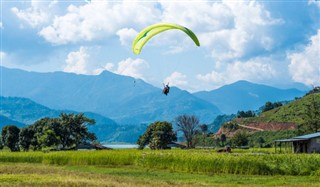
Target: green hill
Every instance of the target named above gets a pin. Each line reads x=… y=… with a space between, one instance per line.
x=290 y=113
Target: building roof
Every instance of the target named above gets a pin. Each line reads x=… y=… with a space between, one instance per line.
x=300 y=138
x=308 y=136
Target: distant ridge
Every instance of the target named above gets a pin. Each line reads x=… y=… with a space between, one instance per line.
x=244 y=95
x=124 y=99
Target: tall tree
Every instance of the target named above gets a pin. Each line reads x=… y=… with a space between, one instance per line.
x=188 y=125
x=10 y=137
x=261 y=141
x=240 y=138
x=158 y=135
x=311 y=115
x=25 y=137
x=223 y=139
x=74 y=129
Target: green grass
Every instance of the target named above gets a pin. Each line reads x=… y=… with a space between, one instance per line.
x=204 y=161
x=291 y=112
x=28 y=174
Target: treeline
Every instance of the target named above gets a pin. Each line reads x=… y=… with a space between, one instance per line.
x=62 y=133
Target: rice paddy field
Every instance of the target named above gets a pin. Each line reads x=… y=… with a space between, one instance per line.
x=130 y=167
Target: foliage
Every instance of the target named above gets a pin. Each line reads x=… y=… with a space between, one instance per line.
x=10 y=137
x=220 y=119
x=314 y=90
x=67 y=131
x=261 y=141
x=196 y=161
x=204 y=128
x=269 y=106
x=245 y=114
x=270 y=136
x=25 y=137
x=26 y=174
x=311 y=116
x=231 y=126
x=73 y=129
x=293 y=112
x=188 y=125
x=158 y=135
x=223 y=139
x=241 y=138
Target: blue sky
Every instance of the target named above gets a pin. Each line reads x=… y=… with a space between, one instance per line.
x=269 y=42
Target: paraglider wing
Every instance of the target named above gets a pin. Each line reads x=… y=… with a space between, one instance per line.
x=155 y=29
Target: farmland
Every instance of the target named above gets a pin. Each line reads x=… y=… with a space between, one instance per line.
x=161 y=168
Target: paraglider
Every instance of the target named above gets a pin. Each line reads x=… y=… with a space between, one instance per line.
x=166 y=89
x=146 y=34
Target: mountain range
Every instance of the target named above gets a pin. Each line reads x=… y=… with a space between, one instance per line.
x=121 y=106
x=121 y=98
x=244 y=95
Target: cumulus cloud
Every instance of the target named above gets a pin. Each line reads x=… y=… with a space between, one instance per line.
x=35 y=15
x=177 y=79
x=305 y=65
x=130 y=67
x=98 y=19
x=76 y=62
x=1 y=25
x=2 y=55
x=316 y=2
x=126 y=36
x=249 y=34
x=253 y=70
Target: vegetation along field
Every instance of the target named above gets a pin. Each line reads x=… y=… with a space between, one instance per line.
x=158 y=168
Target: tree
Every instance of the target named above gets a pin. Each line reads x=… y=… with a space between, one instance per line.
x=223 y=139
x=240 y=138
x=67 y=131
x=188 y=125
x=311 y=115
x=25 y=137
x=10 y=137
x=269 y=106
x=247 y=114
x=261 y=141
x=158 y=135
x=73 y=129
x=204 y=128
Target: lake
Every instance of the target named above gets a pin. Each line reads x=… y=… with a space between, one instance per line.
x=121 y=146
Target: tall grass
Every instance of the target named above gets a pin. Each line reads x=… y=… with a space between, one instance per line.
x=197 y=161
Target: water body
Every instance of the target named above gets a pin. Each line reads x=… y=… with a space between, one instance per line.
x=122 y=146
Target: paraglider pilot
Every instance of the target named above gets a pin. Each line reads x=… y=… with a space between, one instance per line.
x=166 y=89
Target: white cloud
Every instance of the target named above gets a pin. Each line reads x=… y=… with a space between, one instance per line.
x=35 y=15
x=1 y=25
x=98 y=20
x=177 y=79
x=305 y=65
x=126 y=36
x=248 y=33
x=131 y=67
x=254 y=70
x=76 y=62
x=316 y=2
x=2 y=55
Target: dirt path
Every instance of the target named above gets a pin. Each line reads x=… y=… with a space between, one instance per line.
x=249 y=127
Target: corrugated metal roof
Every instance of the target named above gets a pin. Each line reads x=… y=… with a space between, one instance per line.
x=308 y=136
x=288 y=140
x=300 y=138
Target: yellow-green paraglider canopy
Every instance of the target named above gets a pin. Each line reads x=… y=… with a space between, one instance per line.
x=155 y=29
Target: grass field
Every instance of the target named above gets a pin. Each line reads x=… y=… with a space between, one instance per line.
x=158 y=168
x=26 y=174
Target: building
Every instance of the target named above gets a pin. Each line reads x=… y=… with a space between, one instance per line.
x=309 y=143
